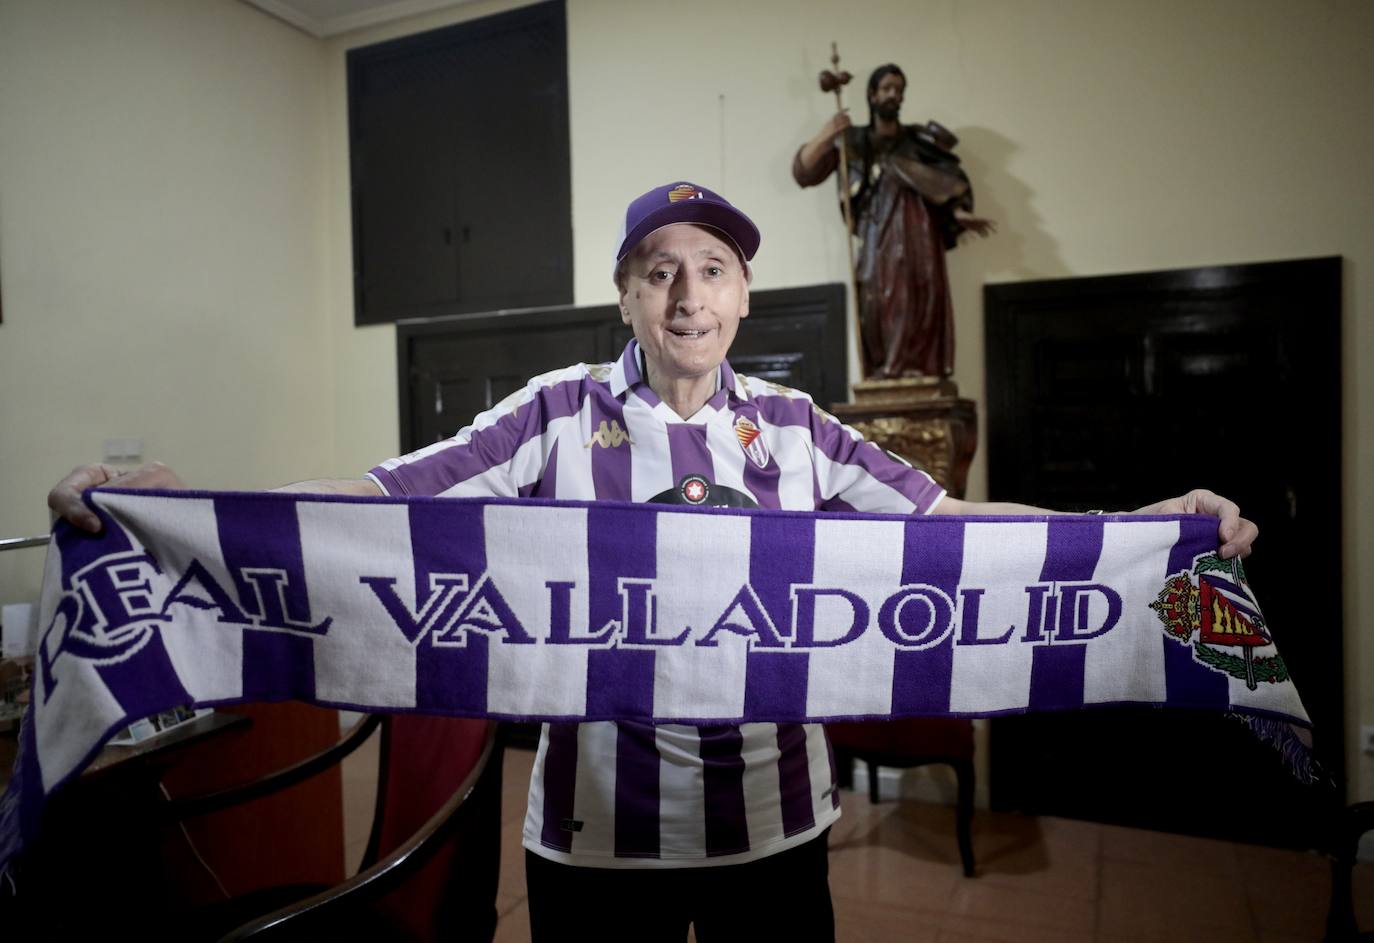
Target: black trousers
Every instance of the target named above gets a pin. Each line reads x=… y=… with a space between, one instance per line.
x=782 y=897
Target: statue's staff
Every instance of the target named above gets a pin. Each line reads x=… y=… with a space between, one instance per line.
x=833 y=80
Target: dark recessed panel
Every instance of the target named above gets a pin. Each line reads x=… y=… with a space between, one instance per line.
x=459 y=161
x=1117 y=391
x=453 y=368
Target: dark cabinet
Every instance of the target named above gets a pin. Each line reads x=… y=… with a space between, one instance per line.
x=458 y=143
x=1116 y=391
x=450 y=369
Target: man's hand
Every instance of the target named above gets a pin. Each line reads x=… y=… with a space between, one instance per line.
x=65 y=497
x=1235 y=532
x=814 y=151
x=835 y=127
x=977 y=225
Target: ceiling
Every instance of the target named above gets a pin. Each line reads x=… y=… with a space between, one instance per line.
x=321 y=18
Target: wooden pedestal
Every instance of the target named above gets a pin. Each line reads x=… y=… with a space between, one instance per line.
x=921 y=419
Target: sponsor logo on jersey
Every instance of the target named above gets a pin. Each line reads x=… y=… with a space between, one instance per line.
x=695 y=489
x=608 y=435
x=700 y=491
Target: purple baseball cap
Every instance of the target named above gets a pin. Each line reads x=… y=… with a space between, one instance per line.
x=685 y=203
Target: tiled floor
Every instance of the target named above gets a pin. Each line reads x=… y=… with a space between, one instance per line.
x=895 y=875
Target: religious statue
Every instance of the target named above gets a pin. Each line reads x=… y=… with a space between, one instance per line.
x=908 y=200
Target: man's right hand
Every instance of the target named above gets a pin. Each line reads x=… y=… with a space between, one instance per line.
x=65 y=497
x=815 y=152
x=836 y=126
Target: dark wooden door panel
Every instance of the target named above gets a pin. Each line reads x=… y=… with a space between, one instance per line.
x=473 y=370
x=404 y=186
x=459 y=161
x=452 y=368
x=1114 y=392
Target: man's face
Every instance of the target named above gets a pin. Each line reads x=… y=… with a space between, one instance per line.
x=684 y=294
x=886 y=99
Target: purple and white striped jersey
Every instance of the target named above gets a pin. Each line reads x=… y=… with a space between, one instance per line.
x=618 y=794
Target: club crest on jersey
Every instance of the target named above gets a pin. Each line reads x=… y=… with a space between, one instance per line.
x=751 y=440
x=695 y=489
x=1220 y=611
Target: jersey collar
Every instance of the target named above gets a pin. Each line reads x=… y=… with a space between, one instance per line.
x=628 y=374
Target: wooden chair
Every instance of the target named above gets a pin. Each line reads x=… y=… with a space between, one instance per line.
x=909 y=742
x=433 y=856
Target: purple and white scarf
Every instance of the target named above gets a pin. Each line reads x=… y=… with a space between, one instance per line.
x=569 y=611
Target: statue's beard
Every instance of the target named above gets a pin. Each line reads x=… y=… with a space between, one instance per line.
x=887 y=110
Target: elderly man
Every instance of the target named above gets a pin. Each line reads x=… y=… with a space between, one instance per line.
x=636 y=831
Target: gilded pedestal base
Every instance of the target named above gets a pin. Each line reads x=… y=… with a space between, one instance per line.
x=923 y=420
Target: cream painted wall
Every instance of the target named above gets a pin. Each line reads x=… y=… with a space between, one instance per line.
x=174 y=199
x=1104 y=135
x=162 y=248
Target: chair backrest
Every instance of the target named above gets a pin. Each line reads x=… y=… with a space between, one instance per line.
x=924 y=738
x=453 y=895
x=433 y=861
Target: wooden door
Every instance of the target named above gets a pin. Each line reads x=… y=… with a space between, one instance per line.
x=1114 y=392
x=459 y=163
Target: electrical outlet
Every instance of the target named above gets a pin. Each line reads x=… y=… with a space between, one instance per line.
x=1367 y=738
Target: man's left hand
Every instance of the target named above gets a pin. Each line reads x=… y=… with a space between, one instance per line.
x=975 y=224
x=1235 y=532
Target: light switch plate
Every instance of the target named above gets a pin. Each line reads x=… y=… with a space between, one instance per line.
x=123 y=451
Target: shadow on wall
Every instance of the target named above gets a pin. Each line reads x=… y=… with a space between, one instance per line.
x=1021 y=247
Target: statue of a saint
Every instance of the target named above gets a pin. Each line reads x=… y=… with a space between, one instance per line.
x=911 y=202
